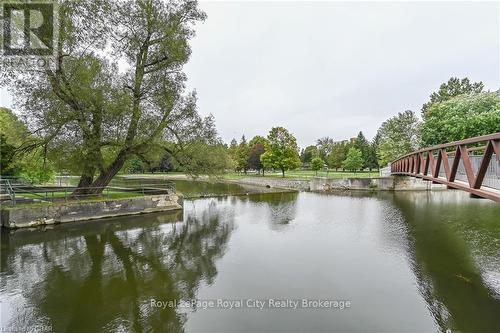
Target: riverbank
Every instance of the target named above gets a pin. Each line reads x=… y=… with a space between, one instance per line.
x=192 y=188
x=391 y=183
x=316 y=184
x=271 y=182
x=62 y=212
x=290 y=175
x=323 y=184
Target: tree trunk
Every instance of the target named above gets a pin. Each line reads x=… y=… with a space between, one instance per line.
x=283 y=173
x=89 y=157
x=103 y=179
x=85 y=181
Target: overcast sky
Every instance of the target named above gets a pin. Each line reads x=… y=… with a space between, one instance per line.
x=333 y=68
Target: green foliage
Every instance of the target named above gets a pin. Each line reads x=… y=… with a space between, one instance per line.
x=317 y=164
x=461 y=117
x=198 y=150
x=242 y=155
x=257 y=148
x=233 y=153
x=454 y=87
x=337 y=155
x=36 y=168
x=7 y=167
x=254 y=156
x=14 y=131
x=258 y=140
x=281 y=151
x=309 y=153
x=92 y=114
x=267 y=160
x=21 y=153
x=354 y=160
x=201 y=158
x=364 y=147
x=398 y=136
x=372 y=160
x=230 y=163
x=325 y=146
x=135 y=165
x=165 y=164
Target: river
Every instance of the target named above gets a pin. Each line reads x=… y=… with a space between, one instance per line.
x=359 y=262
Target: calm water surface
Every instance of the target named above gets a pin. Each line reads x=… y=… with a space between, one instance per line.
x=406 y=262
x=195 y=189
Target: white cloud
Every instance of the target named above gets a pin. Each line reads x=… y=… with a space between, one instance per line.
x=334 y=68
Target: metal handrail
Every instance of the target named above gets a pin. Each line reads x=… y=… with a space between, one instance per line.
x=70 y=195
x=10 y=191
x=425 y=164
x=477 y=139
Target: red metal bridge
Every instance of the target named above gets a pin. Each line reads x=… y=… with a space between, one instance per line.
x=462 y=165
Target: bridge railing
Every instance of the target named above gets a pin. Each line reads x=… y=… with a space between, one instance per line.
x=472 y=165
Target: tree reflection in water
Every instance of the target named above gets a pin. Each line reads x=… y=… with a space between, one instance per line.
x=103 y=276
x=440 y=232
x=282 y=207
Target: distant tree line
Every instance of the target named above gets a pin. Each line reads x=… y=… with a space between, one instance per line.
x=458 y=110
x=277 y=151
x=353 y=154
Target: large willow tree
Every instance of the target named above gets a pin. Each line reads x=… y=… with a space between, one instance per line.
x=118 y=89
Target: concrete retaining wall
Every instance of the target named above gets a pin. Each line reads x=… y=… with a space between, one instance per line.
x=385 y=172
x=70 y=212
x=396 y=183
x=322 y=184
x=276 y=183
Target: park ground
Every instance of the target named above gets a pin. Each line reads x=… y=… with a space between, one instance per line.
x=61 y=196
